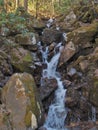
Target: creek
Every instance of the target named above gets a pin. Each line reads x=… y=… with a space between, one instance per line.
x=57 y=110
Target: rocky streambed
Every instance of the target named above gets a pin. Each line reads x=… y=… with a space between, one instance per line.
x=25 y=96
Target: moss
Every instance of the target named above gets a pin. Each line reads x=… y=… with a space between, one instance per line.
x=21 y=60
x=28 y=118
x=31 y=92
x=27 y=58
x=84 y=34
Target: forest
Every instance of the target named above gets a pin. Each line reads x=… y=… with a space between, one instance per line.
x=40 y=7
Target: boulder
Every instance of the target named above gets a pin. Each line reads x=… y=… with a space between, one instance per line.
x=50 y=35
x=47 y=88
x=68 y=51
x=72 y=97
x=22 y=60
x=21 y=99
x=27 y=40
x=82 y=36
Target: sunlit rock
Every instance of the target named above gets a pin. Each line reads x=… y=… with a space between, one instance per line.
x=21 y=98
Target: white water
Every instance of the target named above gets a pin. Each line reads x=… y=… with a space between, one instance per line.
x=57 y=111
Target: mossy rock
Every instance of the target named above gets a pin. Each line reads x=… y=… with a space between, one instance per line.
x=21 y=98
x=24 y=39
x=83 y=35
x=22 y=60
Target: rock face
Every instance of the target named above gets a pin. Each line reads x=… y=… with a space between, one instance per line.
x=22 y=101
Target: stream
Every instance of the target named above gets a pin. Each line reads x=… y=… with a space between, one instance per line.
x=57 y=111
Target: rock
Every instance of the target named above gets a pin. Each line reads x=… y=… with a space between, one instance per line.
x=4 y=31
x=21 y=98
x=22 y=60
x=50 y=35
x=4 y=118
x=52 y=46
x=72 y=72
x=72 y=97
x=28 y=40
x=67 y=83
x=82 y=36
x=96 y=40
x=83 y=65
x=70 y=18
x=47 y=88
x=33 y=122
x=67 y=53
x=94 y=56
x=5 y=68
x=42 y=128
x=94 y=89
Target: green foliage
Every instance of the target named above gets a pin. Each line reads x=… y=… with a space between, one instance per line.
x=1 y=2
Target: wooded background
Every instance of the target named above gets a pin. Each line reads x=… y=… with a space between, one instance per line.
x=39 y=7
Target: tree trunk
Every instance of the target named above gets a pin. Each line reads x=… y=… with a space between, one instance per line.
x=36 y=8
x=26 y=5
x=17 y=4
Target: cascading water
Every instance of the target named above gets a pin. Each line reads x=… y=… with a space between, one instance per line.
x=57 y=111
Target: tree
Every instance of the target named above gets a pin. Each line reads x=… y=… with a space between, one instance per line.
x=17 y=4
x=26 y=5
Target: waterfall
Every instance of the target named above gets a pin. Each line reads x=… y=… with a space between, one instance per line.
x=57 y=111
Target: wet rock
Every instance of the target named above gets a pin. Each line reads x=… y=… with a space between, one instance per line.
x=72 y=72
x=47 y=88
x=21 y=98
x=42 y=128
x=52 y=46
x=49 y=36
x=67 y=83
